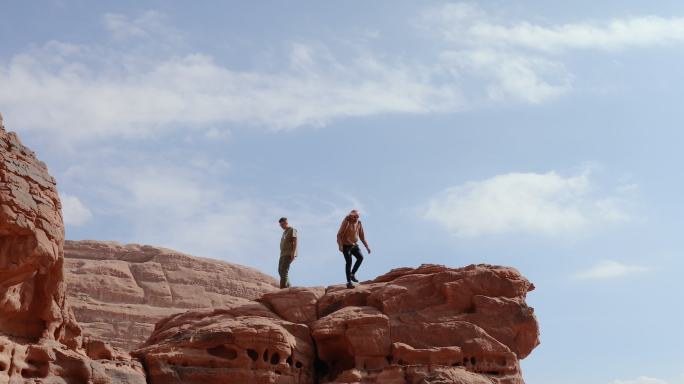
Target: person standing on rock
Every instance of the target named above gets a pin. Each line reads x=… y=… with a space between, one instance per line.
x=351 y=230
x=288 y=251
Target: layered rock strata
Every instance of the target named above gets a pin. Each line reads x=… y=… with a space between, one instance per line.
x=118 y=292
x=430 y=324
x=40 y=341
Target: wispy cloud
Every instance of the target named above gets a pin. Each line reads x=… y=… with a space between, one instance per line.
x=146 y=80
x=148 y=25
x=469 y=24
x=609 y=269
x=522 y=60
x=536 y=203
x=101 y=91
x=511 y=75
x=73 y=210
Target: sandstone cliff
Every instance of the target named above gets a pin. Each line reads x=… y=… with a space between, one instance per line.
x=430 y=324
x=40 y=341
x=118 y=292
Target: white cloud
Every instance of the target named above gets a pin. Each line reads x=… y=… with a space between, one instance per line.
x=91 y=92
x=147 y=25
x=513 y=76
x=534 y=203
x=468 y=24
x=73 y=210
x=610 y=35
x=609 y=269
x=521 y=60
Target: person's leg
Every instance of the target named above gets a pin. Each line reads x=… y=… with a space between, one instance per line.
x=284 y=270
x=356 y=251
x=347 y=261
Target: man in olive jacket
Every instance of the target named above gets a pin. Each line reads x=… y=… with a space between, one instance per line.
x=288 y=251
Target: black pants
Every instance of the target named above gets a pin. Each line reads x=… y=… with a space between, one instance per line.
x=348 y=251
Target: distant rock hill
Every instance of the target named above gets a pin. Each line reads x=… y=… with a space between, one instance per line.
x=118 y=292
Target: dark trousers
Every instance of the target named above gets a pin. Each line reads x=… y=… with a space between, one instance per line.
x=284 y=270
x=348 y=251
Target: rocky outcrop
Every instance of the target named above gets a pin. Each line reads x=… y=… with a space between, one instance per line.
x=430 y=324
x=31 y=236
x=244 y=342
x=299 y=305
x=118 y=292
x=472 y=319
x=40 y=340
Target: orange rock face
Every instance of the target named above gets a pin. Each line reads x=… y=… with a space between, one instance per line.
x=430 y=324
x=118 y=292
x=40 y=340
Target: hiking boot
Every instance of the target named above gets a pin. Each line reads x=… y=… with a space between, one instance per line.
x=353 y=278
x=350 y=285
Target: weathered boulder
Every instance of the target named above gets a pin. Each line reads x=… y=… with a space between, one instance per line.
x=40 y=341
x=298 y=305
x=240 y=343
x=118 y=292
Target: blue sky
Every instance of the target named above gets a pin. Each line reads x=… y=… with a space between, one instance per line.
x=544 y=136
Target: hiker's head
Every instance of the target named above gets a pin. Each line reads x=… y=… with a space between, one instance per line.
x=353 y=215
x=283 y=222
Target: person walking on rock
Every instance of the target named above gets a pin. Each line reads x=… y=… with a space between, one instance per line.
x=351 y=230
x=288 y=251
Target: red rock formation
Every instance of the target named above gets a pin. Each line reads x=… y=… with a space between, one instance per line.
x=298 y=305
x=473 y=318
x=39 y=339
x=430 y=324
x=241 y=343
x=31 y=256
x=118 y=292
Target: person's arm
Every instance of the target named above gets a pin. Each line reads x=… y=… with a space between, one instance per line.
x=339 y=234
x=293 y=242
x=362 y=236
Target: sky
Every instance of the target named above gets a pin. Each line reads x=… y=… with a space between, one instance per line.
x=540 y=135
